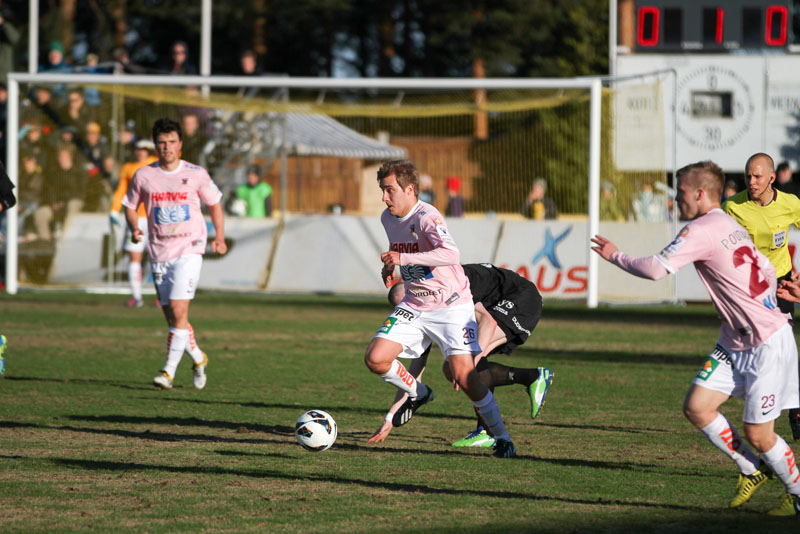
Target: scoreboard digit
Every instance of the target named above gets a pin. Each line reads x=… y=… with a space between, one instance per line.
x=712 y=26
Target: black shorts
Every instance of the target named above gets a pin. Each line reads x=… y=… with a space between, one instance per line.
x=517 y=318
x=786 y=306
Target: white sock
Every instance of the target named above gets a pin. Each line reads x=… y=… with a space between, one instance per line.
x=724 y=436
x=192 y=348
x=490 y=412
x=176 y=344
x=780 y=459
x=399 y=377
x=135 y=279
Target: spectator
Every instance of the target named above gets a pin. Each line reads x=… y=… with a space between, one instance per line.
x=120 y=55
x=127 y=141
x=36 y=144
x=78 y=114
x=44 y=109
x=256 y=194
x=9 y=37
x=193 y=139
x=610 y=209
x=63 y=193
x=729 y=190
x=91 y=94
x=538 y=206
x=99 y=165
x=180 y=60
x=455 y=202
x=55 y=63
x=783 y=179
x=55 y=58
x=649 y=206
x=248 y=64
x=31 y=184
x=426 y=192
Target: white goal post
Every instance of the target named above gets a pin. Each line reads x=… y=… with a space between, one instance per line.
x=592 y=85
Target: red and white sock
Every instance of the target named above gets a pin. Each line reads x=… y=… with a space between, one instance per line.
x=490 y=412
x=399 y=377
x=780 y=459
x=176 y=344
x=724 y=436
x=192 y=348
x=135 y=279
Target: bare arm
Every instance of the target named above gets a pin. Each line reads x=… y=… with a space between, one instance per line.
x=132 y=218
x=648 y=267
x=218 y=219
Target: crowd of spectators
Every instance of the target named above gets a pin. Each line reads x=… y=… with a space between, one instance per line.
x=70 y=151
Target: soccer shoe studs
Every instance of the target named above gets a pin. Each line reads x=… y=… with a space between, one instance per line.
x=134 y=303
x=794 y=422
x=748 y=484
x=199 y=373
x=404 y=414
x=789 y=506
x=538 y=390
x=503 y=448
x=477 y=438
x=163 y=381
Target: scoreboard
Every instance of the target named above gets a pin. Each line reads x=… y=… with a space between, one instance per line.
x=737 y=90
x=711 y=26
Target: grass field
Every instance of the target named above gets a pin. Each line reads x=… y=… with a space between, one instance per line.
x=87 y=444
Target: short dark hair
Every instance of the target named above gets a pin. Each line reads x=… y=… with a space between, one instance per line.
x=404 y=171
x=705 y=174
x=165 y=125
x=783 y=166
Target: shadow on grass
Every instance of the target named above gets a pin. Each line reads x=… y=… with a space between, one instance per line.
x=424 y=489
x=608 y=356
x=83 y=382
x=159 y=436
x=331 y=409
x=185 y=421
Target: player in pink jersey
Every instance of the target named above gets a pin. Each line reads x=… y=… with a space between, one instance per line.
x=437 y=304
x=756 y=354
x=171 y=190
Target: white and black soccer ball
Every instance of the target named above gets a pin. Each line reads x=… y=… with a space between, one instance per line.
x=315 y=430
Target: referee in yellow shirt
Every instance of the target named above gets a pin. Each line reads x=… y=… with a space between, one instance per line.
x=767 y=213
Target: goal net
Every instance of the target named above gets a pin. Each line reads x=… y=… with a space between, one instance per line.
x=483 y=152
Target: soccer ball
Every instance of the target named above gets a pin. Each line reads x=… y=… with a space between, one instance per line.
x=315 y=430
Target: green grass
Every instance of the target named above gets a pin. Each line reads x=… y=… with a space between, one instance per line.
x=87 y=444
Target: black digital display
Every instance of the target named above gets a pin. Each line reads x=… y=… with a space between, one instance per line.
x=712 y=26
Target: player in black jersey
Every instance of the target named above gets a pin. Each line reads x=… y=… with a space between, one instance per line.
x=507 y=307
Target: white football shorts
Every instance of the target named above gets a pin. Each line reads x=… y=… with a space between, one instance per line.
x=765 y=376
x=129 y=245
x=454 y=329
x=177 y=279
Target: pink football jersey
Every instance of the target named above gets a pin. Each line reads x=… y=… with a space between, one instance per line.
x=175 y=223
x=429 y=259
x=739 y=278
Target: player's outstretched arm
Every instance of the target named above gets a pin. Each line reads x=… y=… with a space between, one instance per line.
x=416 y=368
x=604 y=247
